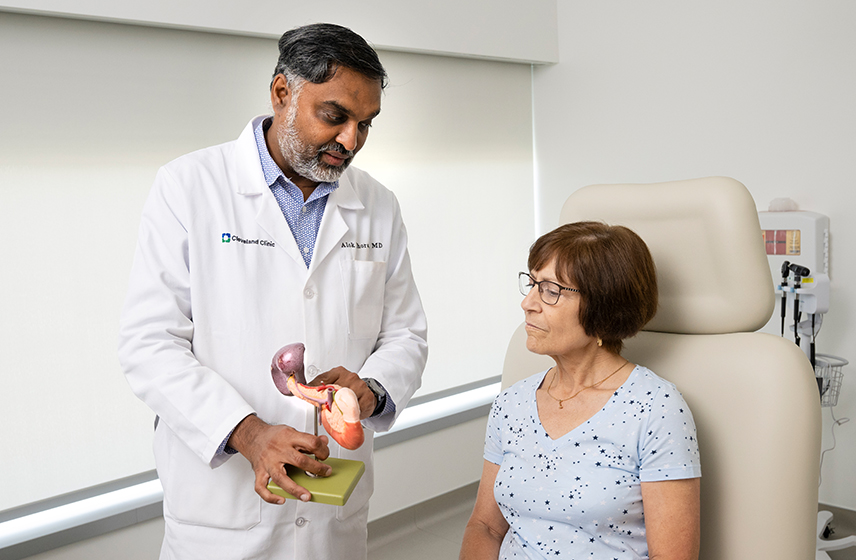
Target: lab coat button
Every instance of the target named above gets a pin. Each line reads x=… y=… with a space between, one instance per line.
x=312 y=370
x=309 y=293
x=301 y=521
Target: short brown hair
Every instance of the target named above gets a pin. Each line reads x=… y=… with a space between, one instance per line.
x=614 y=272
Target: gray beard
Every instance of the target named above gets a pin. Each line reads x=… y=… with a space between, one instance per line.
x=304 y=159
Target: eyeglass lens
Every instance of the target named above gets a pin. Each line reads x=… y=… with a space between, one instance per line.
x=549 y=291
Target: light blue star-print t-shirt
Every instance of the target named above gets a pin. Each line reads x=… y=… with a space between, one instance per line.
x=579 y=496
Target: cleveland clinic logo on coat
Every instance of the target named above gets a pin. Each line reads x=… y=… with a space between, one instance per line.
x=230 y=238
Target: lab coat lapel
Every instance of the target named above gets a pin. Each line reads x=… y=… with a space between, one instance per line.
x=333 y=224
x=270 y=218
x=250 y=182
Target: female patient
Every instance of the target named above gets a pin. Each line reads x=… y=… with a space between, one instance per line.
x=595 y=457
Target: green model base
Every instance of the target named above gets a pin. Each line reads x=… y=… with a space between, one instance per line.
x=334 y=489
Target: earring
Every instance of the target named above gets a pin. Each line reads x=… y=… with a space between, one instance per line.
x=599 y=341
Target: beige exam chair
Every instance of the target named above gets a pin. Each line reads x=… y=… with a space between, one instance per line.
x=753 y=395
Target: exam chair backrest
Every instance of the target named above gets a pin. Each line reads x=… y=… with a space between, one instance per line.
x=753 y=395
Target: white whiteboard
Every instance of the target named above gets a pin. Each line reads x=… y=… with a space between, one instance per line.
x=90 y=111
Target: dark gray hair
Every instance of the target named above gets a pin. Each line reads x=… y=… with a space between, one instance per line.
x=314 y=52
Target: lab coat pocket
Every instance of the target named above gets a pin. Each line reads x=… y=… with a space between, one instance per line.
x=363 y=283
x=196 y=494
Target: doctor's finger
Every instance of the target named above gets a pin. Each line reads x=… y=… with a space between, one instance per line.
x=261 y=488
x=338 y=376
x=315 y=445
x=346 y=378
x=286 y=483
x=312 y=465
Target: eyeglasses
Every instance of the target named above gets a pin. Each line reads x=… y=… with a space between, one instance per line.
x=549 y=291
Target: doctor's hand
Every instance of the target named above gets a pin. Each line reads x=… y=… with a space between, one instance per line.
x=341 y=376
x=270 y=448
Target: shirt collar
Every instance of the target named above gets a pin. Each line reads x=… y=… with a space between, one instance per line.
x=272 y=171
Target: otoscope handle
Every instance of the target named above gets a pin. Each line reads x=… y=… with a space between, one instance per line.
x=797 y=313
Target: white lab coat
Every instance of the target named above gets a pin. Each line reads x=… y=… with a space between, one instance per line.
x=218 y=285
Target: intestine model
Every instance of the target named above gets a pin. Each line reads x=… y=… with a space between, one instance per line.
x=339 y=406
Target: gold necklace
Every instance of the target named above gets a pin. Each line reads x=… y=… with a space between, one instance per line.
x=584 y=388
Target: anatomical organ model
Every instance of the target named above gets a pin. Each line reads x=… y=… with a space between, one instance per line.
x=339 y=406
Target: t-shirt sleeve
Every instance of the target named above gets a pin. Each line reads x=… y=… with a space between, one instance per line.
x=668 y=449
x=493 y=437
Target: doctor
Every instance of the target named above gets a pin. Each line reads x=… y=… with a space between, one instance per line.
x=251 y=245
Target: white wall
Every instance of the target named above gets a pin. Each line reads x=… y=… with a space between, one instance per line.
x=467 y=28
x=761 y=91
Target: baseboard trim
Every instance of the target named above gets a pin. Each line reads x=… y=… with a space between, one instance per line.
x=398 y=525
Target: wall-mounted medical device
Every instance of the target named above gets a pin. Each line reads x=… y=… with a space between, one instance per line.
x=797 y=245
